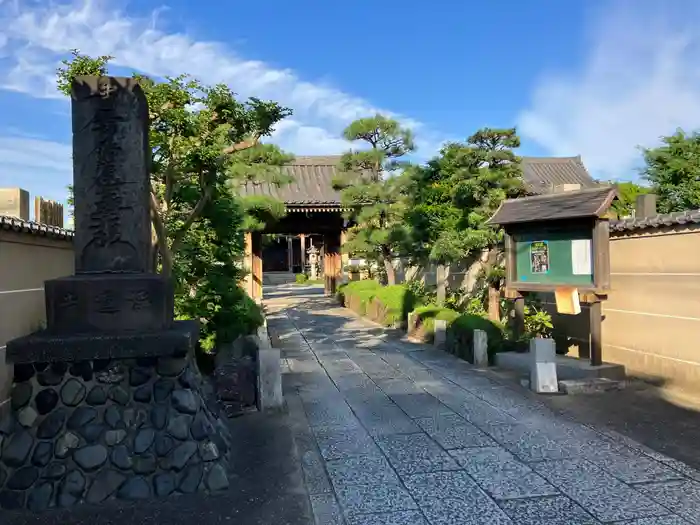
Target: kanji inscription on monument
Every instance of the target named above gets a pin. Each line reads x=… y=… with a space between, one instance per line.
x=111 y=176
x=115 y=306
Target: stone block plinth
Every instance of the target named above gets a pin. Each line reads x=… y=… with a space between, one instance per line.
x=46 y=346
x=109 y=303
x=94 y=430
x=440 y=338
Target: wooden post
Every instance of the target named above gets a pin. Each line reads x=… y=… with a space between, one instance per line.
x=595 y=313
x=290 y=254
x=344 y=256
x=257 y=266
x=248 y=264
x=338 y=268
x=494 y=303
x=519 y=319
x=331 y=262
x=302 y=242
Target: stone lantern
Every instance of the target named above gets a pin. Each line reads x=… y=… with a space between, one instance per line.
x=313 y=262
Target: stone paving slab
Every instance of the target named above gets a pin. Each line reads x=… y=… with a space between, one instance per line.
x=392 y=432
x=500 y=474
x=598 y=492
x=415 y=453
x=451 y=431
x=365 y=499
x=454 y=497
x=681 y=496
x=557 y=510
x=359 y=470
x=402 y=517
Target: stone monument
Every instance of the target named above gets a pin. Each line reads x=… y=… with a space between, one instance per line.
x=107 y=401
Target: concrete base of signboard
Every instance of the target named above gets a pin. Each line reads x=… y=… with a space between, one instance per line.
x=590 y=386
x=567 y=367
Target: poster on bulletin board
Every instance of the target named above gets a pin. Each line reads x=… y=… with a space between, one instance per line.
x=539 y=257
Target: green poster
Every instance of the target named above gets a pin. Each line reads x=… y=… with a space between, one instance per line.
x=539 y=257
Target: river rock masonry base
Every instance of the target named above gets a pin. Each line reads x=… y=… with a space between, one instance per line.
x=90 y=431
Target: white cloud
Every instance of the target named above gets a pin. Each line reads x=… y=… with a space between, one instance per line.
x=307 y=140
x=40 y=36
x=640 y=80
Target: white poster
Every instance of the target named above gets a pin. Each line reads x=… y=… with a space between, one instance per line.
x=581 y=261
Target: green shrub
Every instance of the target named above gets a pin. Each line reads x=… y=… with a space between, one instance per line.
x=392 y=304
x=356 y=295
x=538 y=322
x=301 y=278
x=424 y=318
x=366 y=284
x=460 y=335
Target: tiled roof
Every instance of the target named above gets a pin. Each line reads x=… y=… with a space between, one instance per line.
x=656 y=221
x=313 y=179
x=591 y=202
x=312 y=183
x=541 y=174
x=33 y=228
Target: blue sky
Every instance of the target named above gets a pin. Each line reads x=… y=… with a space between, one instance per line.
x=595 y=78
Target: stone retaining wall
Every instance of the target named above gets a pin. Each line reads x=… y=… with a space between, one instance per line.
x=94 y=430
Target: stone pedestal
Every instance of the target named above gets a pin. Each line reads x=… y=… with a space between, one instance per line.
x=480 y=343
x=269 y=372
x=89 y=431
x=543 y=366
x=440 y=333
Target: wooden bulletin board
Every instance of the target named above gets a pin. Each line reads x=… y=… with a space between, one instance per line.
x=554 y=256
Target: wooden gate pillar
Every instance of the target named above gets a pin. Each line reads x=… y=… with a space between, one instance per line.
x=253 y=260
x=302 y=242
x=248 y=263
x=331 y=262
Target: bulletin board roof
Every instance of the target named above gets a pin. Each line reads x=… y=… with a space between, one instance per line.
x=579 y=204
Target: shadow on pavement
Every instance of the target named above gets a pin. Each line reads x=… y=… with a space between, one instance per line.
x=642 y=412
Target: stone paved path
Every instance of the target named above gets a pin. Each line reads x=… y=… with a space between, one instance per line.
x=395 y=433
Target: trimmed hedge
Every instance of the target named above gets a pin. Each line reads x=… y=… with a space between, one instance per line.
x=423 y=321
x=391 y=305
x=357 y=294
x=387 y=305
x=460 y=336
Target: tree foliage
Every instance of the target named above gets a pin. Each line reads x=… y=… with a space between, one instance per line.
x=673 y=169
x=200 y=136
x=372 y=191
x=627 y=193
x=455 y=193
x=205 y=146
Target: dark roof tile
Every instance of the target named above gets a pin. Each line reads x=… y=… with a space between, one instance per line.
x=33 y=228
x=313 y=179
x=312 y=183
x=656 y=221
x=541 y=174
x=578 y=204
